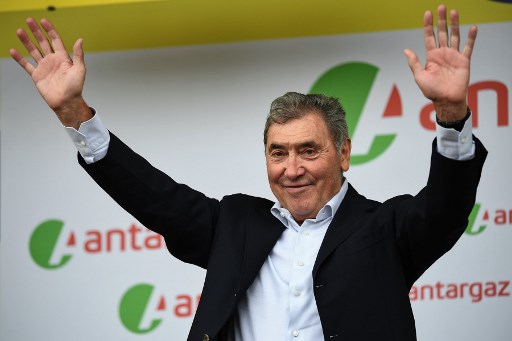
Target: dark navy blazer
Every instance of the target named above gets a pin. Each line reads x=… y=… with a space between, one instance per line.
x=370 y=257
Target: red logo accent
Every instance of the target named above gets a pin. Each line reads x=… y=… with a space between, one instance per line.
x=71 y=240
x=394 y=106
x=161 y=304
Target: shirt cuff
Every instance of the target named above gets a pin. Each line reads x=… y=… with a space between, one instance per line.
x=454 y=144
x=91 y=139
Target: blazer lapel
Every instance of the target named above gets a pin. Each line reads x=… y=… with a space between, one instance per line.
x=345 y=222
x=263 y=231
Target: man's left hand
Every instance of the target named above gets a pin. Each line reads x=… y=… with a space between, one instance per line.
x=445 y=77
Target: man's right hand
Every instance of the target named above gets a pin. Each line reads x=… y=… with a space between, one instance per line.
x=58 y=78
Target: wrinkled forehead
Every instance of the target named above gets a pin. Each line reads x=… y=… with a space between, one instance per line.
x=297 y=115
x=298 y=131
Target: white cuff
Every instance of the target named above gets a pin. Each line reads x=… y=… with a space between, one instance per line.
x=91 y=139
x=456 y=145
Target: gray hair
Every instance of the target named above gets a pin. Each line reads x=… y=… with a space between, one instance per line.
x=294 y=105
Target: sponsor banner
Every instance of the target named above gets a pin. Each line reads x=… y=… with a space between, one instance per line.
x=473 y=291
x=75 y=266
x=52 y=246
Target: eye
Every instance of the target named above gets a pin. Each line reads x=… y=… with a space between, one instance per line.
x=309 y=153
x=277 y=154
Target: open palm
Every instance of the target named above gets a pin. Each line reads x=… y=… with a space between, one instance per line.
x=58 y=78
x=445 y=77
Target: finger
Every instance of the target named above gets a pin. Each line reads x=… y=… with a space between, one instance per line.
x=468 y=49
x=454 y=30
x=413 y=61
x=78 y=53
x=29 y=68
x=428 y=31
x=442 y=29
x=40 y=37
x=29 y=45
x=57 y=43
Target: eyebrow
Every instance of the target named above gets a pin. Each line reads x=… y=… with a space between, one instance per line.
x=273 y=146
x=301 y=145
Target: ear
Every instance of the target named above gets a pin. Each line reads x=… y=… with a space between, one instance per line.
x=345 y=155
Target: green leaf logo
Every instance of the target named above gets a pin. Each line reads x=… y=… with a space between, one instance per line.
x=352 y=83
x=133 y=306
x=42 y=244
x=471 y=221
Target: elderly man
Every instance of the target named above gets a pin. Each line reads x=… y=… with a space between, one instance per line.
x=322 y=262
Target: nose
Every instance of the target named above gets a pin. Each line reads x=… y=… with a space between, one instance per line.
x=293 y=168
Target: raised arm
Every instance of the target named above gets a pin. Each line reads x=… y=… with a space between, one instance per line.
x=58 y=78
x=445 y=77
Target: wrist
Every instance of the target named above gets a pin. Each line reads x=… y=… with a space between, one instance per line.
x=74 y=113
x=457 y=125
x=448 y=113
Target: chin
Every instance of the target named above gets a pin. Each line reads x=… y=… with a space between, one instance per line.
x=303 y=213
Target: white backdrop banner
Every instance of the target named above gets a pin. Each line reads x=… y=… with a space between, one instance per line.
x=75 y=266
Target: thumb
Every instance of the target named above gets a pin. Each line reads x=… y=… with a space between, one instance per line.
x=414 y=61
x=78 y=53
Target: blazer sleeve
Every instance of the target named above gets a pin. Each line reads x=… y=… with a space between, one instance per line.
x=184 y=217
x=429 y=224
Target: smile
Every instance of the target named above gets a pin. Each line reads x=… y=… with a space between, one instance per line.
x=296 y=188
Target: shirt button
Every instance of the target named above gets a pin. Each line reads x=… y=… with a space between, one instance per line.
x=281 y=214
x=300 y=263
x=83 y=143
x=306 y=233
x=295 y=333
x=297 y=293
x=463 y=140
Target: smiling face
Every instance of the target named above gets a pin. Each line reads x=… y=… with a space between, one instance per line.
x=303 y=167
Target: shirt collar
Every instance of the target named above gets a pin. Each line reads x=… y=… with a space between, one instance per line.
x=328 y=211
